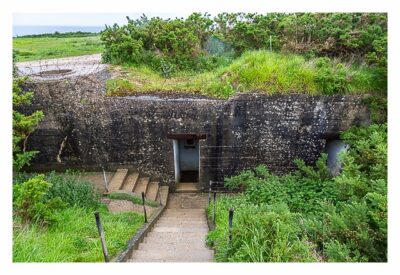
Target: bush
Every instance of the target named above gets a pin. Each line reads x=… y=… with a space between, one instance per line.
x=320 y=218
x=23 y=125
x=261 y=233
x=331 y=78
x=158 y=43
x=31 y=203
x=185 y=42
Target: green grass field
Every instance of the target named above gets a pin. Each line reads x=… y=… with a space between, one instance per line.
x=36 y=48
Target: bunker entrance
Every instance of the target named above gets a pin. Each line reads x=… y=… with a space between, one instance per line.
x=186 y=157
x=189 y=160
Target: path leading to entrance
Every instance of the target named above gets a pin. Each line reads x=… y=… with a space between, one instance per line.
x=180 y=233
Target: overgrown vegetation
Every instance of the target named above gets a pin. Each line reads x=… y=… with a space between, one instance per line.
x=54 y=221
x=326 y=53
x=261 y=71
x=308 y=215
x=74 y=238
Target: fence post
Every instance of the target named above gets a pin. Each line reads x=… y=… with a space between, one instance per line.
x=159 y=194
x=209 y=193
x=144 y=208
x=215 y=203
x=230 y=224
x=105 y=178
x=101 y=233
x=270 y=43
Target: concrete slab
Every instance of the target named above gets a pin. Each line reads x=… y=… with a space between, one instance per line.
x=130 y=182
x=141 y=186
x=117 y=180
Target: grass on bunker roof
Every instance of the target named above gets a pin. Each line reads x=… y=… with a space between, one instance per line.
x=255 y=71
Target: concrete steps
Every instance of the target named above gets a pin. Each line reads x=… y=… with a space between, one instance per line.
x=163 y=193
x=178 y=236
x=117 y=180
x=172 y=255
x=186 y=187
x=168 y=245
x=130 y=182
x=152 y=191
x=141 y=186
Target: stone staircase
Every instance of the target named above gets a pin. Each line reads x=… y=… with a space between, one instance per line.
x=179 y=235
x=131 y=182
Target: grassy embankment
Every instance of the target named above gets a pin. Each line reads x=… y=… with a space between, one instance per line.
x=259 y=71
x=74 y=238
x=47 y=47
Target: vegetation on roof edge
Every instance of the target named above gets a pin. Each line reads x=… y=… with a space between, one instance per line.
x=260 y=70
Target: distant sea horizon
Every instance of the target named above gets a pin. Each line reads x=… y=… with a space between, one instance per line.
x=21 y=30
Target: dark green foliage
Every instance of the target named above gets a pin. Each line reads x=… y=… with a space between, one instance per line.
x=378 y=107
x=165 y=45
x=189 y=43
x=23 y=125
x=326 y=219
x=306 y=185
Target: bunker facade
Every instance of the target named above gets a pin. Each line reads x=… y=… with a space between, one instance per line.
x=180 y=138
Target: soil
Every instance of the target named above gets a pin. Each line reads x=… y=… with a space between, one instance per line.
x=117 y=206
x=97 y=179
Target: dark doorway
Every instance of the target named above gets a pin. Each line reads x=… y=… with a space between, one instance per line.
x=189 y=160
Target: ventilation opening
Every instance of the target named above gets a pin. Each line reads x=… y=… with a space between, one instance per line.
x=333 y=148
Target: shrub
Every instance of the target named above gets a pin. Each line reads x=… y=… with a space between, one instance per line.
x=332 y=79
x=31 y=203
x=261 y=233
x=23 y=125
x=184 y=41
x=320 y=218
x=157 y=42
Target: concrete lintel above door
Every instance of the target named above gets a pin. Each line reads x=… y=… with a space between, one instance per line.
x=186 y=136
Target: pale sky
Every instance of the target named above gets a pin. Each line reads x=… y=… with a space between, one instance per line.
x=82 y=19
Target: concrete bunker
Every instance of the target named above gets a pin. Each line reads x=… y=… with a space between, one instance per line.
x=179 y=138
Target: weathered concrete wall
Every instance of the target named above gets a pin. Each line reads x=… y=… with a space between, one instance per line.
x=244 y=131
